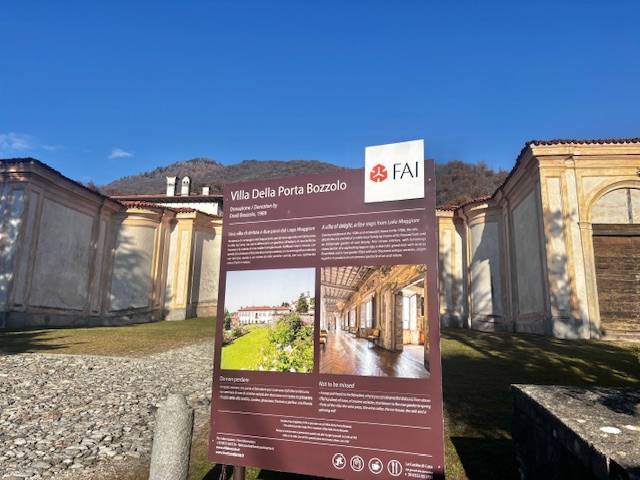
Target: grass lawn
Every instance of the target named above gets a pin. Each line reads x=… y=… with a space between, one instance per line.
x=130 y=340
x=478 y=369
x=245 y=352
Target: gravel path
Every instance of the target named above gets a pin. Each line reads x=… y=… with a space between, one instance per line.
x=72 y=416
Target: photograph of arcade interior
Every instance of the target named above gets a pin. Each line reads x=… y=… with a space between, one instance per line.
x=372 y=321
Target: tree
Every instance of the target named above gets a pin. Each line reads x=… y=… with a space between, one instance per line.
x=285 y=304
x=227 y=320
x=301 y=305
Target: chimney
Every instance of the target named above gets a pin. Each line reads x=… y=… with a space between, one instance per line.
x=205 y=190
x=171 y=186
x=185 y=190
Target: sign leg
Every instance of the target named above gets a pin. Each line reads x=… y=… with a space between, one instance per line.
x=238 y=473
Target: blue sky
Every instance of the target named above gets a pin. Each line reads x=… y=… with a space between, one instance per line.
x=267 y=287
x=101 y=90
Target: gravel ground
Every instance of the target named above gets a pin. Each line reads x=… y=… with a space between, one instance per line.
x=73 y=416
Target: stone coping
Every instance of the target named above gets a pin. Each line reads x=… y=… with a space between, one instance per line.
x=599 y=426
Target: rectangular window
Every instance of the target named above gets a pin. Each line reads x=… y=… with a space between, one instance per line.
x=413 y=312
x=366 y=312
x=405 y=312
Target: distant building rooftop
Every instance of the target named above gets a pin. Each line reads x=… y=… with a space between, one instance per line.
x=262 y=308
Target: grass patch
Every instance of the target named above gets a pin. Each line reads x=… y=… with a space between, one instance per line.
x=130 y=340
x=200 y=468
x=245 y=352
x=478 y=369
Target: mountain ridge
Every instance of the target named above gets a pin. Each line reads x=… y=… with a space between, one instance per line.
x=456 y=181
x=209 y=172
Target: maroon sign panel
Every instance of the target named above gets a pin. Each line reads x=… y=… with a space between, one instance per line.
x=328 y=343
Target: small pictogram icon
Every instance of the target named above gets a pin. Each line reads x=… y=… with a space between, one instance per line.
x=339 y=461
x=378 y=173
x=375 y=465
x=394 y=467
x=357 y=463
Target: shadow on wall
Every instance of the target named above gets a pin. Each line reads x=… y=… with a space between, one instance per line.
x=566 y=318
x=488 y=308
x=454 y=314
x=485 y=305
x=11 y=206
x=131 y=282
x=478 y=369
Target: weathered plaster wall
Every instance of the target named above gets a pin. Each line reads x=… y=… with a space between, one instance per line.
x=60 y=276
x=618 y=206
x=11 y=212
x=485 y=274
x=71 y=257
x=206 y=271
x=169 y=294
x=634 y=194
x=131 y=278
x=210 y=208
x=451 y=270
x=527 y=251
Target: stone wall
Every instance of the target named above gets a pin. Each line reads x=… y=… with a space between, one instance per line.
x=572 y=433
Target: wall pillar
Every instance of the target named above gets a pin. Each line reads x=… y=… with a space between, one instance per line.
x=180 y=307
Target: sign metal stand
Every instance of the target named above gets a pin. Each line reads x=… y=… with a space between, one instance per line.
x=238 y=472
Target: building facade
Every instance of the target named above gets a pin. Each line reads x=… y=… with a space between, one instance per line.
x=261 y=315
x=555 y=250
x=70 y=256
x=205 y=202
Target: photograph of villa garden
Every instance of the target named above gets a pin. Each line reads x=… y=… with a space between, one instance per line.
x=269 y=320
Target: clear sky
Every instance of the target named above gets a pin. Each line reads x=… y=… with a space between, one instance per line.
x=267 y=287
x=103 y=89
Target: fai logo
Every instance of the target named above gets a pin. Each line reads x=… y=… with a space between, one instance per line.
x=378 y=173
x=394 y=172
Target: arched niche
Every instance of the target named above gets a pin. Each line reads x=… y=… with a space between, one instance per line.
x=618 y=206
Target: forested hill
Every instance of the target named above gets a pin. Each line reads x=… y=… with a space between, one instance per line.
x=207 y=172
x=457 y=181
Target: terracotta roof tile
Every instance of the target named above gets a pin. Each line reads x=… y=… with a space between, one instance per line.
x=173 y=199
x=132 y=204
x=587 y=141
x=139 y=204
